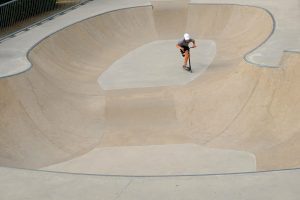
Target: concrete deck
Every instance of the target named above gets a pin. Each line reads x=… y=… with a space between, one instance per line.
x=20 y=184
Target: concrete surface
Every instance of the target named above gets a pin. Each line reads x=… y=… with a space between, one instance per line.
x=24 y=41
x=285 y=34
x=56 y=112
x=20 y=184
x=175 y=159
x=156 y=64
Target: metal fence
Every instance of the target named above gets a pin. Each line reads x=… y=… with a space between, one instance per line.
x=18 y=14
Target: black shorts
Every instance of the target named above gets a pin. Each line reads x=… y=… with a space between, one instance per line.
x=185 y=49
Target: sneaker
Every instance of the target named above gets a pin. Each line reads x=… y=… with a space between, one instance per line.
x=186 y=68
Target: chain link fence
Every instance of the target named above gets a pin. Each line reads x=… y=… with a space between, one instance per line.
x=16 y=15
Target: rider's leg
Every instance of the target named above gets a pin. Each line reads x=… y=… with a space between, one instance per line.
x=186 y=57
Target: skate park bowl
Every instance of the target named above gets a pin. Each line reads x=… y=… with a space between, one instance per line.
x=108 y=95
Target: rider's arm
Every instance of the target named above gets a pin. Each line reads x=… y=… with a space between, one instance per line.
x=179 y=47
x=194 y=43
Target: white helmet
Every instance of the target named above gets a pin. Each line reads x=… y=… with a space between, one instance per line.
x=186 y=36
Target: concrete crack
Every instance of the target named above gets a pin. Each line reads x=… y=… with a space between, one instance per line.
x=123 y=190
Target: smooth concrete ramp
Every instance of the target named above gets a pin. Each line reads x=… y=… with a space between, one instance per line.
x=56 y=112
x=285 y=33
x=157 y=64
